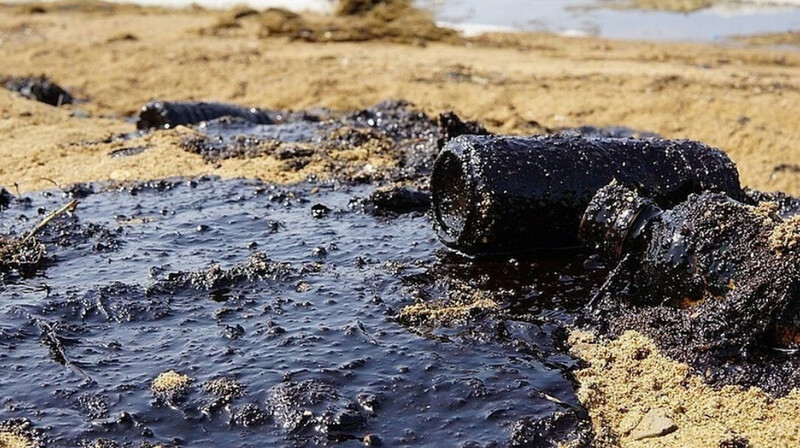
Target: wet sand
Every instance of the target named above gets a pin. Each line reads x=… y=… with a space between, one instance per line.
x=118 y=58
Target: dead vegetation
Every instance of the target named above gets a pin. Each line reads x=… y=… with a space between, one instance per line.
x=354 y=21
x=685 y=6
x=27 y=254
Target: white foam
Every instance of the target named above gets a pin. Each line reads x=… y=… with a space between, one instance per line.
x=476 y=29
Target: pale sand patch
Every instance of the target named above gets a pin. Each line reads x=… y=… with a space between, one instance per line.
x=627 y=377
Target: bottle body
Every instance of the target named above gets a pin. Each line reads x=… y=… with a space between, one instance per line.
x=711 y=256
x=494 y=194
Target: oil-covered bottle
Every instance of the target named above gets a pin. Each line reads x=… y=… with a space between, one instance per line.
x=494 y=194
x=721 y=258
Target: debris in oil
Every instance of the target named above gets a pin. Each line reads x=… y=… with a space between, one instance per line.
x=38 y=88
x=25 y=255
x=167 y=115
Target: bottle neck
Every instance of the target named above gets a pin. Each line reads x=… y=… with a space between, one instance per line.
x=615 y=219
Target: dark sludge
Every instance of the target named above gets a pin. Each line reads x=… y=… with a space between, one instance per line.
x=230 y=313
x=166 y=114
x=787 y=205
x=39 y=88
x=711 y=279
x=494 y=195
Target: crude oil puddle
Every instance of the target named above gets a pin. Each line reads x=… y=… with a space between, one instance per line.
x=301 y=313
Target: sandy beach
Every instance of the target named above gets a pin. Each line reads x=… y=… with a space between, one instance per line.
x=115 y=58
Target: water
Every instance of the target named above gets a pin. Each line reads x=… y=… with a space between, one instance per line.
x=84 y=338
x=572 y=17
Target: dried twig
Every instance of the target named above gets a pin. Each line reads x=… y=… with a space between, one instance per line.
x=67 y=208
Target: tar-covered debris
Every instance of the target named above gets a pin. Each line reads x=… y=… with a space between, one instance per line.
x=703 y=280
x=315 y=405
x=248 y=415
x=140 y=343
x=21 y=255
x=258 y=267
x=5 y=198
x=391 y=128
x=24 y=251
x=127 y=152
x=38 y=88
x=399 y=199
x=167 y=115
x=553 y=431
x=93 y=405
x=786 y=205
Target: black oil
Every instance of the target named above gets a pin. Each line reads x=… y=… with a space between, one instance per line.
x=241 y=280
x=38 y=88
x=394 y=128
x=166 y=115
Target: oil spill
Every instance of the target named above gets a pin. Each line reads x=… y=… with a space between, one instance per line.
x=278 y=323
x=393 y=128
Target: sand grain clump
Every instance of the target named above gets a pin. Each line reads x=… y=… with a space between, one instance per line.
x=786 y=235
x=171 y=385
x=18 y=433
x=443 y=313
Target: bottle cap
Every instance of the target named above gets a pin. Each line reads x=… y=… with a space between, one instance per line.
x=614 y=217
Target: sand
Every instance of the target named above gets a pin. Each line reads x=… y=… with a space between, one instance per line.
x=627 y=378
x=117 y=58
x=772 y=39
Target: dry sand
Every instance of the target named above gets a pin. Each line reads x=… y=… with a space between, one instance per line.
x=117 y=58
x=627 y=378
